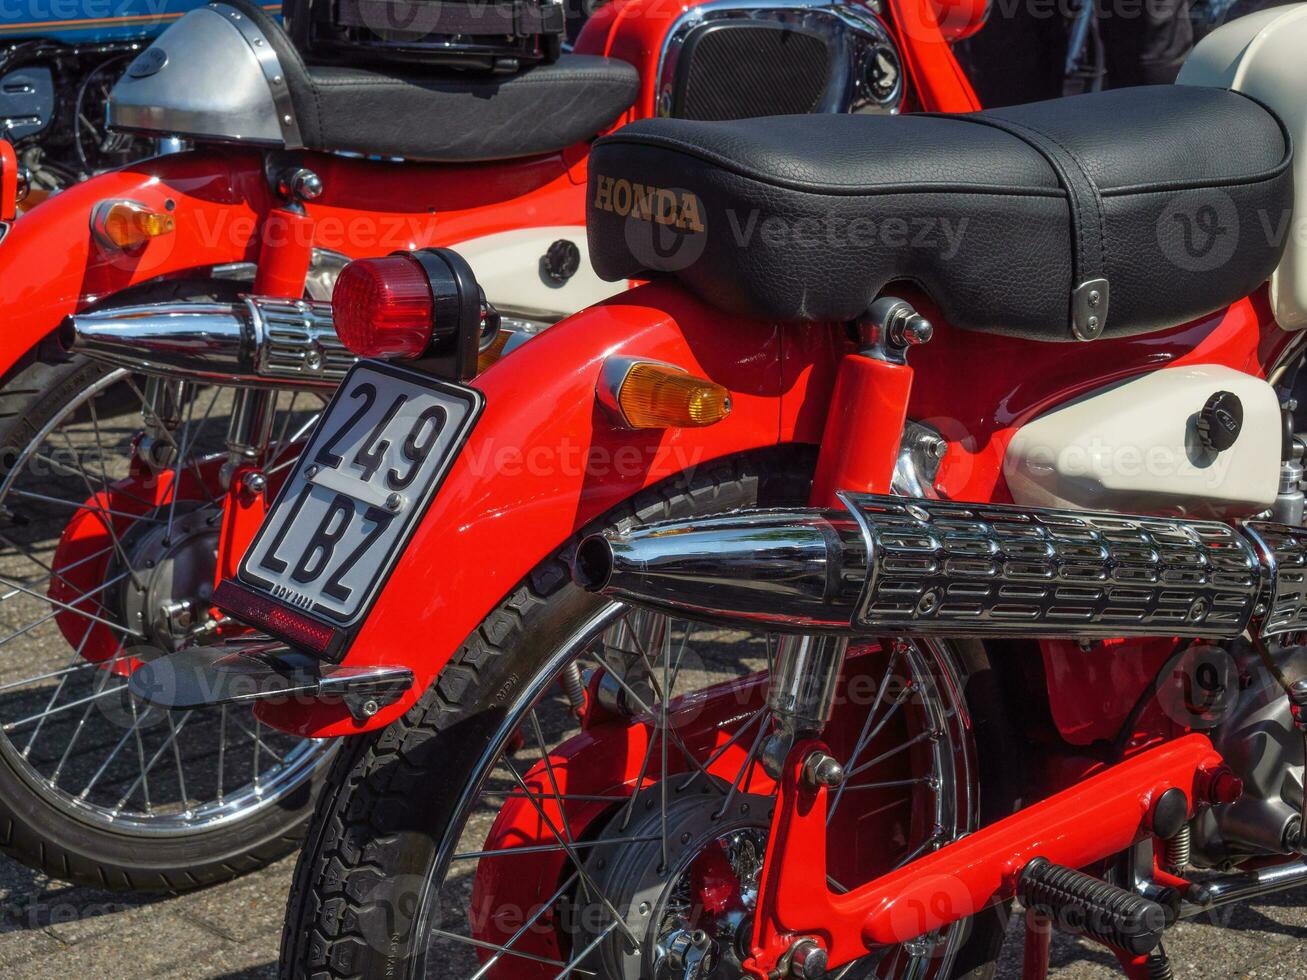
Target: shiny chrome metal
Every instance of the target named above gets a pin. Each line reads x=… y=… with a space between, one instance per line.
x=931 y=567
x=220 y=79
x=920 y=454
x=804 y=680
x=1289 y=499
x=249 y=430
x=1240 y=888
x=891 y=328
x=866 y=73
x=1283 y=553
x=296 y=341
x=299 y=184
x=257 y=342
x=611 y=378
x=789 y=569
x=24 y=184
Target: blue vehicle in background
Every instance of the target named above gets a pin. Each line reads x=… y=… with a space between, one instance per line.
x=58 y=61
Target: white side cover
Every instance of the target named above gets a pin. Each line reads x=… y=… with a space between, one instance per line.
x=1133 y=447
x=507 y=266
x=1264 y=55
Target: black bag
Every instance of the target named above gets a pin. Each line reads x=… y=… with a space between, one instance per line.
x=491 y=35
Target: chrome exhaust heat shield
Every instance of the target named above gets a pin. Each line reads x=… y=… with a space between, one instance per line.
x=258 y=342
x=889 y=565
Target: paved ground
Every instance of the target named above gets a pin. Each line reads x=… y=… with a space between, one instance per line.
x=49 y=929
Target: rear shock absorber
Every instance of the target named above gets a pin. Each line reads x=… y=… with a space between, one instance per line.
x=801 y=697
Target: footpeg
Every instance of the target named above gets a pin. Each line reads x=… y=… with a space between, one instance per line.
x=1084 y=905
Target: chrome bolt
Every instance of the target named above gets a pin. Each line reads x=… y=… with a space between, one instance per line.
x=820 y=769
x=1095 y=297
x=395 y=503
x=300 y=185
x=936 y=448
x=311 y=472
x=313 y=360
x=254 y=482
x=911 y=330
x=807 y=960
x=24 y=184
x=369 y=708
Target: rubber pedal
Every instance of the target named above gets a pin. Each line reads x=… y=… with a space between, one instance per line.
x=1086 y=906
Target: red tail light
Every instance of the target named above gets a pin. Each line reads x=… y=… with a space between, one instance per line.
x=384 y=307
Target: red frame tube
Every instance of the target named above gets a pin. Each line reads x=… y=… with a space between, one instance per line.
x=8 y=181
x=1098 y=817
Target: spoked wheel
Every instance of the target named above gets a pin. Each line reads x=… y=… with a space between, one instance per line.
x=493 y=834
x=110 y=517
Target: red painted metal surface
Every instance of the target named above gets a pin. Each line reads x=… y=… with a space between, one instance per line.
x=544 y=460
x=977 y=389
x=50 y=265
x=602 y=767
x=856 y=455
x=285 y=253
x=8 y=182
x=82 y=582
x=1099 y=817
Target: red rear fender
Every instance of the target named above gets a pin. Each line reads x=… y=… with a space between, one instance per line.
x=545 y=460
x=51 y=265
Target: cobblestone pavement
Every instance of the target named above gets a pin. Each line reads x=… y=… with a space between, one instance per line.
x=50 y=929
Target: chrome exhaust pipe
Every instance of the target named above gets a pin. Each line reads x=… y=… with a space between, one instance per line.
x=257 y=342
x=896 y=565
x=802 y=569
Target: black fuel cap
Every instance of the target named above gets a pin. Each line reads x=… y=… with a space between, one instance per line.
x=1220 y=421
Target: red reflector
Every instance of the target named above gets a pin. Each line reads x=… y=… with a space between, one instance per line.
x=383 y=307
x=273 y=618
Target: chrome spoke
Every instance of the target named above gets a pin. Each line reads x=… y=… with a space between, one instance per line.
x=88 y=746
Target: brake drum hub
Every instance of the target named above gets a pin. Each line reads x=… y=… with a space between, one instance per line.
x=174 y=574
x=692 y=916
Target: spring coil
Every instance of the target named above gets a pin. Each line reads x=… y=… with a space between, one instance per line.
x=573 y=686
x=1159 y=966
x=1177 y=850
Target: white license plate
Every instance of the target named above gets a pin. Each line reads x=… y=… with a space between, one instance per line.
x=369 y=471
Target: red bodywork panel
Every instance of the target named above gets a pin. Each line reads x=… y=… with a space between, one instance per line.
x=8 y=182
x=51 y=266
x=545 y=459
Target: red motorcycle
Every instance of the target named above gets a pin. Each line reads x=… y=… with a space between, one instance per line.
x=926 y=533
x=142 y=444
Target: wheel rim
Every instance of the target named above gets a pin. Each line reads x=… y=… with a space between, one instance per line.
x=449 y=907
x=68 y=727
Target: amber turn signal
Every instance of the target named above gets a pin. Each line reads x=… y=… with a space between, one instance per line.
x=660 y=396
x=126 y=224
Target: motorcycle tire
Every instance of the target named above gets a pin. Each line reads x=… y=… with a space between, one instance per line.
x=52 y=836
x=377 y=830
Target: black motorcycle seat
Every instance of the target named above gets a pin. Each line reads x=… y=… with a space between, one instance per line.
x=1177 y=197
x=449 y=115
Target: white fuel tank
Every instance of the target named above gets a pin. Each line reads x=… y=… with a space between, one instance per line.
x=1136 y=447
x=1262 y=55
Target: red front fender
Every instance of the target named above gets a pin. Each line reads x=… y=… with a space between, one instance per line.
x=51 y=266
x=545 y=459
